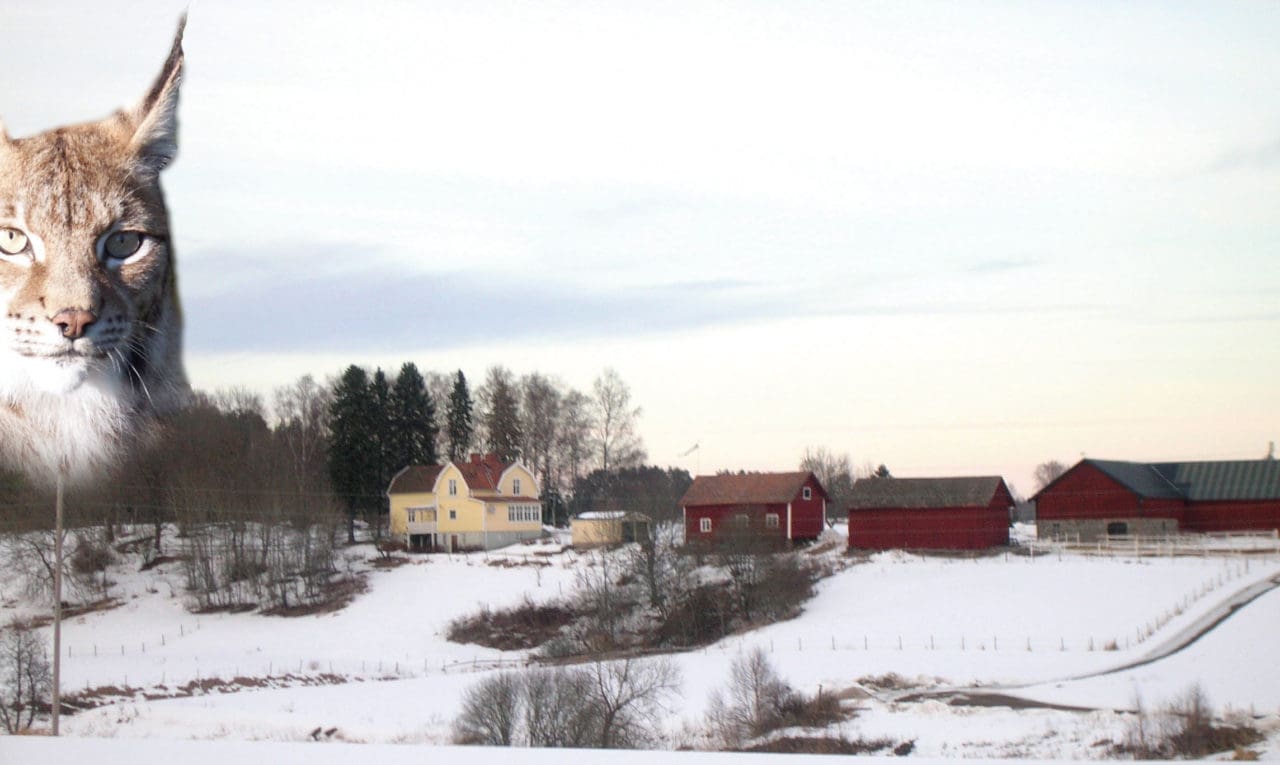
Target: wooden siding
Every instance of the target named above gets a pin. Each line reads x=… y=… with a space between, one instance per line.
x=1086 y=493
x=1255 y=515
x=943 y=528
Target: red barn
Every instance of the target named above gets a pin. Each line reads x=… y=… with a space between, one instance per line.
x=781 y=506
x=929 y=513
x=1096 y=498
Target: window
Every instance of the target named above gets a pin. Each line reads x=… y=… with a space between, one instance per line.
x=453 y=515
x=704 y=525
x=807 y=493
x=411 y=514
x=771 y=520
x=453 y=487
x=515 y=487
x=524 y=513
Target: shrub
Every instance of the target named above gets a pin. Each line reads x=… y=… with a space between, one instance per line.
x=1183 y=727
x=757 y=701
x=91 y=557
x=524 y=626
x=490 y=711
x=612 y=705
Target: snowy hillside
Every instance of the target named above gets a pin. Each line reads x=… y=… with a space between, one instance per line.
x=380 y=671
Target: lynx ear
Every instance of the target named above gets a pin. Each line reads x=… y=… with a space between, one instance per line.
x=155 y=137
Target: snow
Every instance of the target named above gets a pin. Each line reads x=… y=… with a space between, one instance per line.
x=1014 y=624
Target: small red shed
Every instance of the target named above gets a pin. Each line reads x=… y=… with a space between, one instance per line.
x=967 y=513
x=782 y=506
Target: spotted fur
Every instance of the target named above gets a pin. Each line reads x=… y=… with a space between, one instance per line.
x=90 y=345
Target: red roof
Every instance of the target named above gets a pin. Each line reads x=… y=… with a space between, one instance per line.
x=748 y=489
x=480 y=473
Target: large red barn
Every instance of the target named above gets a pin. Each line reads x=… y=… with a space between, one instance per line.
x=780 y=506
x=1096 y=498
x=968 y=513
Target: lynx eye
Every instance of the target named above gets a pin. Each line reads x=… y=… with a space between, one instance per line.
x=122 y=244
x=12 y=241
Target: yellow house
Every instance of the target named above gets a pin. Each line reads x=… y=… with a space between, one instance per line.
x=479 y=504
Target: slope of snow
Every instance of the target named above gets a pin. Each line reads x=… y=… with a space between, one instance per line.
x=1004 y=620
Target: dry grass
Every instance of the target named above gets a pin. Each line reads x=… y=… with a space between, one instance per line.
x=828 y=745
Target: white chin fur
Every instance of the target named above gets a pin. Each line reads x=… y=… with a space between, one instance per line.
x=73 y=415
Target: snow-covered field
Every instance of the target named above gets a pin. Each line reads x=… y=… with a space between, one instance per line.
x=1048 y=628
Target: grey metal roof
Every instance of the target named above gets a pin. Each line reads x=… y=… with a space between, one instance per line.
x=1219 y=481
x=1141 y=478
x=870 y=493
x=1226 y=481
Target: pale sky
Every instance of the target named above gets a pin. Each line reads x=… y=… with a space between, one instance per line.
x=952 y=238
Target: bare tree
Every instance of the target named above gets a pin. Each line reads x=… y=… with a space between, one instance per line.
x=302 y=425
x=25 y=676
x=573 y=441
x=753 y=702
x=490 y=711
x=657 y=563
x=541 y=420
x=439 y=387
x=614 y=436
x=630 y=696
x=834 y=472
x=1048 y=472
x=557 y=709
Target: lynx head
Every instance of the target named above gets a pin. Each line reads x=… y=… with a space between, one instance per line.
x=90 y=326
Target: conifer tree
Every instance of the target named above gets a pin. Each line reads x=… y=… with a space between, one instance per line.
x=380 y=401
x=354 y=456
x=502 y=415
x=413 y=420
x=459 y=418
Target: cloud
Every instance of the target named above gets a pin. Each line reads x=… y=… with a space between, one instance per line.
x=1000 y=265
x=1265 y=157
x=385 y=309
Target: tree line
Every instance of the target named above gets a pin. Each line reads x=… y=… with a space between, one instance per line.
x=323 y=447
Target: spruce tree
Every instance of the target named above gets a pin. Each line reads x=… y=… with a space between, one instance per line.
x=502 y=415
x=353 y=453
x=459 y=418
x=413 y=420
x=380 y=401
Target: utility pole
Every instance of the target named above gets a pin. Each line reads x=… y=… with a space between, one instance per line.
x=57 y=603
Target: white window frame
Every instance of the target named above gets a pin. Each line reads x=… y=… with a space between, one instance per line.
x=807 y=493
x=704 y=525
x=515 y=486
x=771 y=520
x=453 y=515
x=453 y=487
x=524 y=514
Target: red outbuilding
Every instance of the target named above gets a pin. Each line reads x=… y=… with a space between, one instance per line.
x=779 y=506
x=1097 y=498
x=969 y=513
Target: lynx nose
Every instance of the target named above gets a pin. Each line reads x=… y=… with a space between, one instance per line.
x=74 y=321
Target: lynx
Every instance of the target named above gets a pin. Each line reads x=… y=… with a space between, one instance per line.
x=90 y=326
